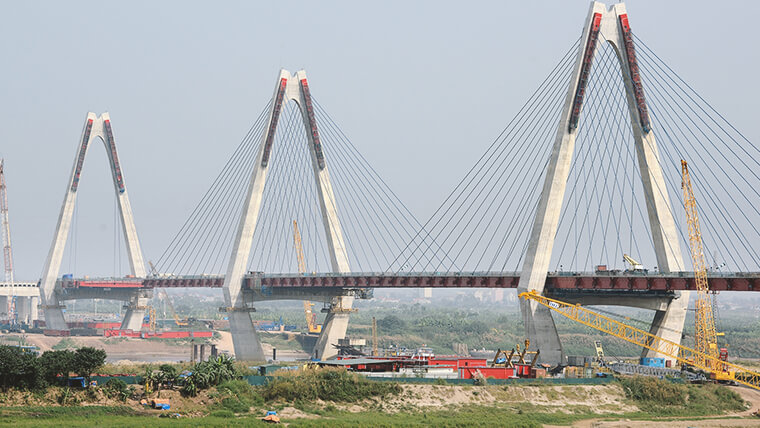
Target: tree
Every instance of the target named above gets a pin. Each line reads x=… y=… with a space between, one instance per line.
x=57 y=363
x=19 y=369
x=87 y=360
x=391 y=324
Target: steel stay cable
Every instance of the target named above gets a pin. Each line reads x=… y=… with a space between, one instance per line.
x=650 y=52
x=364 y=182
x=714 y=207
x=727 y=160
x=188 y=230
x=538 y=173
x=234 y=204
x=212 y=227
x=479 y=185
x=595 y=123
x=606 y=118
x=674 y=142
x=231 y=170
x=209 y=192
x=380 y=183
x=208 y=225
x=494 y=161
x=590 y=102
x=282 y=192
x=491 y=147
x=718 y=180
x=267 y=222
x=606 y=131
x=533 y=134
x=351 y=176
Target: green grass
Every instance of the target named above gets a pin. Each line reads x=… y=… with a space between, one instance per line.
x=65 y=343
x=124 y=417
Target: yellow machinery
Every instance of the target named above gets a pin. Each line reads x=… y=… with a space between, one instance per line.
x=635 y=265
x=152 y=319
x=179 y=322
x=717 y=368
x=311 y=317
x=705 y=334
x=374 y=337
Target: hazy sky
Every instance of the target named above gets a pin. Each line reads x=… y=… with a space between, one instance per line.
x=421 y=88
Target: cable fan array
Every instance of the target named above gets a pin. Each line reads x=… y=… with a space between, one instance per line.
x=374 y=222
x=484 y=224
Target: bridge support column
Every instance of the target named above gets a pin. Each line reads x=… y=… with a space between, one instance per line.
x=669 y=323
x=614 y=26
x=133 y=317
x=334 y=327
x=538 y=321
x=100 y=127
x=34 y=314
x=247 y=346
x=23 y=308
x=4 y=300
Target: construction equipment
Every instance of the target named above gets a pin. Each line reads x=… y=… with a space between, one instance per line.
x=311 y=317
x=635 y=265
x=374 y=337
x=705 y=334
x=599 y=351
x=716 y=368
x=152 y=319
x=7 y=253
x=507 y=360
x=180 y=322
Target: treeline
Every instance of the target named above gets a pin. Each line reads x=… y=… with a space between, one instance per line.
x=22 y=369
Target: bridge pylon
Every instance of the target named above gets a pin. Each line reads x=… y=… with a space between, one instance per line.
x=245 y=339
x=94 y=127
x=613 y=24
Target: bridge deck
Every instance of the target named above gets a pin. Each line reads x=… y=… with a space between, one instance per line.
x=602 y=281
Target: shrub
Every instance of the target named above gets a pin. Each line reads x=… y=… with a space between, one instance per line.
x=169 y=374
x=117 y=388
x=209 y=373
x=239 y=396
x=330 y=384
x=652 y=390
x=662 y=397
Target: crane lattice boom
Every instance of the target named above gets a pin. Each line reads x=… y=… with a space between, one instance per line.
x=706 y=336
x=647 y=340
x=6 y=233
x=311 y=317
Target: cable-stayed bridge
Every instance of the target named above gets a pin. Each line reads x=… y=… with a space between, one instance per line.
x=587 y=170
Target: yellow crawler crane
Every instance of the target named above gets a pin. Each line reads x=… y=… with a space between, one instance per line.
x=705 y=334
x=717 y=368
x=311 y=317
x=374 y=337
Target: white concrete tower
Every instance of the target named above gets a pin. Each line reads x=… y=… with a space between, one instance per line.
x=613 y=26
x=94 y=127
x=244 y=336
